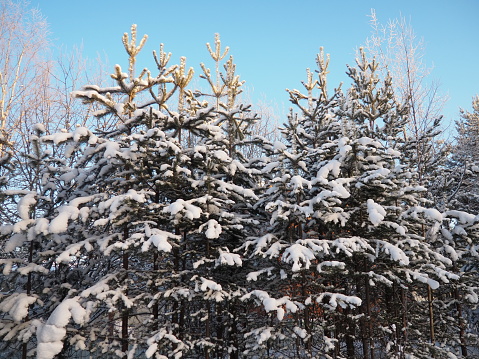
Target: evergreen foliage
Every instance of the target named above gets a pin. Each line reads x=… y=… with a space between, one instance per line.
x=160 y=238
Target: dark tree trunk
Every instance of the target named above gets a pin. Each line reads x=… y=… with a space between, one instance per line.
x=431 y=314
x=461 y=323
x=125 y=314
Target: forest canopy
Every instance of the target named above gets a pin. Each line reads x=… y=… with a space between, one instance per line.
x=153 y=219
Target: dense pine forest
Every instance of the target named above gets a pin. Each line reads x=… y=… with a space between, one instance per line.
x=156 y=220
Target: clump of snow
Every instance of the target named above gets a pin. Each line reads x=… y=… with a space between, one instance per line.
x=41 y=226
x=472 y=297
x=112 y=149
x=376 y=212
x=298 y=182
x=50 y=335
x=336 y=299
x=333 y=167
x=253 y=276
x=222 y=156
x=272 y=304
x=298 y=255
x=264 y=335
x=395 y=253
x=351 y=245
x=39 y=127
x=15 y=241
x=25 y=204
x=423 y=278
x=214 y=229
x=463 y=217
x=32 y=267
x=186 y=208
x=227 y=258
x=160 y=336
x=59 y=224
x=433 y=214
x=81 y=132
x=343 y=147
x=159 y=239
x=16 y=305
x=300 y=332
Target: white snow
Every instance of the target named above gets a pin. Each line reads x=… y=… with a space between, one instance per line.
x=343 y=147
x=32 y=267
x=209 y=284
x=159 y=239
x=39 y=127
x=59 y=224
x=298 y=182
x=214 y=229
x=66 y=310
x=15 y=241
x=189 y=210
x=253 y=276
x=333 y=166
x=222 y=156
x=81 y=132
x=112 y=149
x=299 y=255
x=376 y=212
x=69 y=176
x=463 y=217
x=58 y=138
x=279 y=146
x=395 y=253
x=16 y=305
x=300 y=332
x=433 y=214
x=227 y=258
x=342 y=300
x=50 y=335
x=272 y=304
x=24 y=205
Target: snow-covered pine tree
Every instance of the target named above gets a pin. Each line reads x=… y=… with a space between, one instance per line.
x=144 y=223
x=292 y=321
x=221 y=185
x=32 y=282
x=456 y=304
x=386 y=209
x=359 y=235
x=99 y=222
x=461 y=190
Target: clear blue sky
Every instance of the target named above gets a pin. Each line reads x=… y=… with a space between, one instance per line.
x=273 y=42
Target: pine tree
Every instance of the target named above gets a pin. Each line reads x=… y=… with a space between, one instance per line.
x=347 y=231
x=457 y=303
x=461 y=191
x=142 y=223
x=32 y=282
x=160 y=238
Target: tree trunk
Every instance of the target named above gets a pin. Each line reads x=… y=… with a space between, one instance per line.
x=349 y=335
x=368 y=310
x=461 y=322
x=125 y=314
x=404 y=319
x=208 y=330
x=234 y=333
x=29 y=290
x=431 y=314
x=155 y=305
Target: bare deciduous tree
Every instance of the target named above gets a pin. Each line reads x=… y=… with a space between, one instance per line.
x=402 y=54
x=23 y=65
